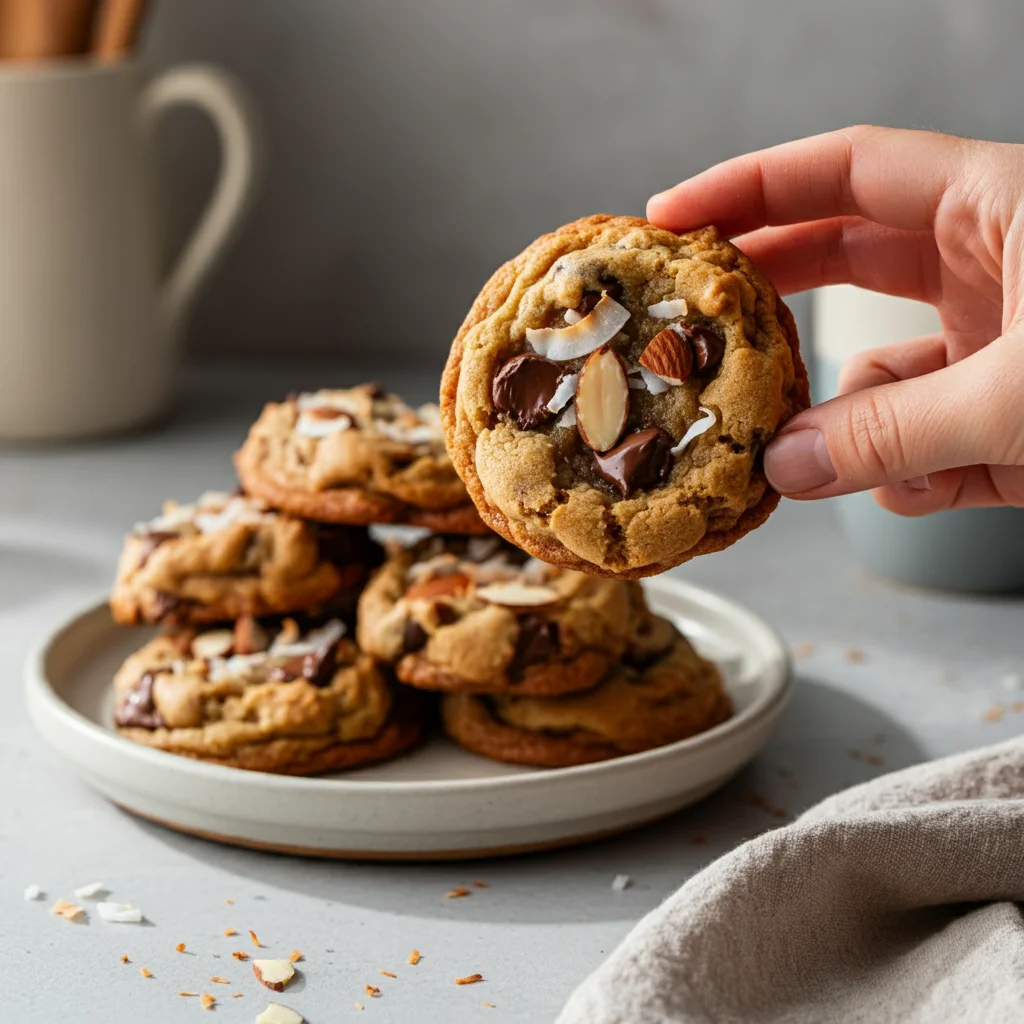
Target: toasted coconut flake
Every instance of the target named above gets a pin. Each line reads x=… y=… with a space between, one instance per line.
x=597 y=328
x=207 y=1001
x=240 y=954
x=69 y=911
x=124 y=959
x=413 y=958
x=90 y=891
x=667 y=309
x=491 y=1005
x=145 y=972
x=218 y=980
x=228 y=932
x=459 y=890
x=188 y=993
x=469 y=979
x=481 y=885
x=255 y=941
x=372 y=991
x=388 y=974
x=180 y=947
x=698 y=427
x=295 y=956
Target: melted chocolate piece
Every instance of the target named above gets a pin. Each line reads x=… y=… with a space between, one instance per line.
x=316 y=668
x=136 y=707
x=708 y=347
x=537 y=641
x=149 y=542
x=524 y=386
x=414 y=637
x=641 y=461
x=445 y=613
x=344 y=545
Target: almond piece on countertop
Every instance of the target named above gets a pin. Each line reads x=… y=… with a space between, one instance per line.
x=438 y=586
x=276 y=1013
x=274 y=974
x=669 y=356
x=602 y=399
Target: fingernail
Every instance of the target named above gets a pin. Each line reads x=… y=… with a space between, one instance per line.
x=919 y=483
x=798 y=461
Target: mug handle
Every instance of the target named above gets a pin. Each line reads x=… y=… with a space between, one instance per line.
x=223 y=99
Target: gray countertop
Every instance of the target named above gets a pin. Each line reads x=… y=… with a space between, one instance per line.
x=886 y=677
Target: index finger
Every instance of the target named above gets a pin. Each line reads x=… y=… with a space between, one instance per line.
x=890 y=176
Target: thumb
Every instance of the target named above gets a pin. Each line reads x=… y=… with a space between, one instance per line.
x=960 y=415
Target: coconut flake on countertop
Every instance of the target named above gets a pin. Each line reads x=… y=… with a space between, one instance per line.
x=119 y=913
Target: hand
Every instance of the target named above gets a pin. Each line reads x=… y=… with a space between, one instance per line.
x=930 y=424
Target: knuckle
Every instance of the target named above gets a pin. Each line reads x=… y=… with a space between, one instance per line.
x=874 y=447
x=855 y=368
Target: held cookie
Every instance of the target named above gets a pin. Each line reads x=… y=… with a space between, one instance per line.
x=478 y=615
x=296 y=705
x=608 y=397
x=356 y=456
x=228 y=556
x=662 y=691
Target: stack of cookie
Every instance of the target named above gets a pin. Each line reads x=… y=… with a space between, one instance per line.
x=293 y=643
x=257 y=591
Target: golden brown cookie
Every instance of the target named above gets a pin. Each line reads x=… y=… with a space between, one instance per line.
x=661 y=692
x=292 y=704
x=477 y=615
x=608 y=398
x=356 y=456
x=228 y=556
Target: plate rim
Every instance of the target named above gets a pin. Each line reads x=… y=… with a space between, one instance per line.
x=43 y=700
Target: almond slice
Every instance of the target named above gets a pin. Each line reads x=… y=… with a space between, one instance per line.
x=597 y=328
x=276 y=1013
x=274 y=974
x=440 y=586
x=667 y=309
x=669 y=356
x=214 y=644
x=602 y=400
x=517 y=595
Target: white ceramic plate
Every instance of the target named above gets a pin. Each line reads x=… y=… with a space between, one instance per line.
x=438 y=802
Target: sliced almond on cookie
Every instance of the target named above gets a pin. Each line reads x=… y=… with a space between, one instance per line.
x=216 y=643
x=440 y=586
x=669 y=356
x=274 y=974
x=602 y=399
x=517 y=595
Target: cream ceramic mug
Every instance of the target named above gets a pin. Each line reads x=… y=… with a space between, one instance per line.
x=89 y=318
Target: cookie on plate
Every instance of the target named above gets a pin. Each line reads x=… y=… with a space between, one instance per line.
x=475 y=614
x=355 y=456
x=288 y=703
x=227 y=556
x=609 y=396
x=662 y=691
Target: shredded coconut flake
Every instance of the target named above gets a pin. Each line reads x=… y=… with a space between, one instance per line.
x=668 y=309
x=568 y=417
x=621 y=882
x=563 y=393
x=655 y=384
x=698 y=427
x=33 y=892
x=318 y=427
x=572 y=317
x=119 y=913
x=90 y=891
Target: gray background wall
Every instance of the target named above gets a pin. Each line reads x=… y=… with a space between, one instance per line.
x=412 y=145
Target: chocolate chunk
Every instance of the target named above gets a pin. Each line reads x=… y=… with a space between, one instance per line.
x=374 y=390
x=346 y=545
x=445 y=613
x=414 y=637
x=641 y=461
x=524 y=386
x=588 y=302
x=708 y=347
x=136 y=707
x=149 y=542
x=537 y=641
x=316 y=668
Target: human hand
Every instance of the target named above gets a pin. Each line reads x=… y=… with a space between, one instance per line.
x=929 y=424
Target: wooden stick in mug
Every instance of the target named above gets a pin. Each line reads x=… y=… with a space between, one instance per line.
x=116 y=28
x=39 y=29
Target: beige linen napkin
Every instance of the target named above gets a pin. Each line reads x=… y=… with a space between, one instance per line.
x=890 y=902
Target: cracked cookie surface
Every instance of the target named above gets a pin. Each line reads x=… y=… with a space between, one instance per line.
x=478 y=615
x=663 y=691
x=226 y=556
x=356 y=456
x=286 y=703
x=608 y=397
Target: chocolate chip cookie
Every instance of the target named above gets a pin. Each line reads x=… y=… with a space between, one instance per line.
x=287 y=703
x=661 y=692
x=229 y=555
x=478 y=615
x=356 y=456
x=609 y=396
